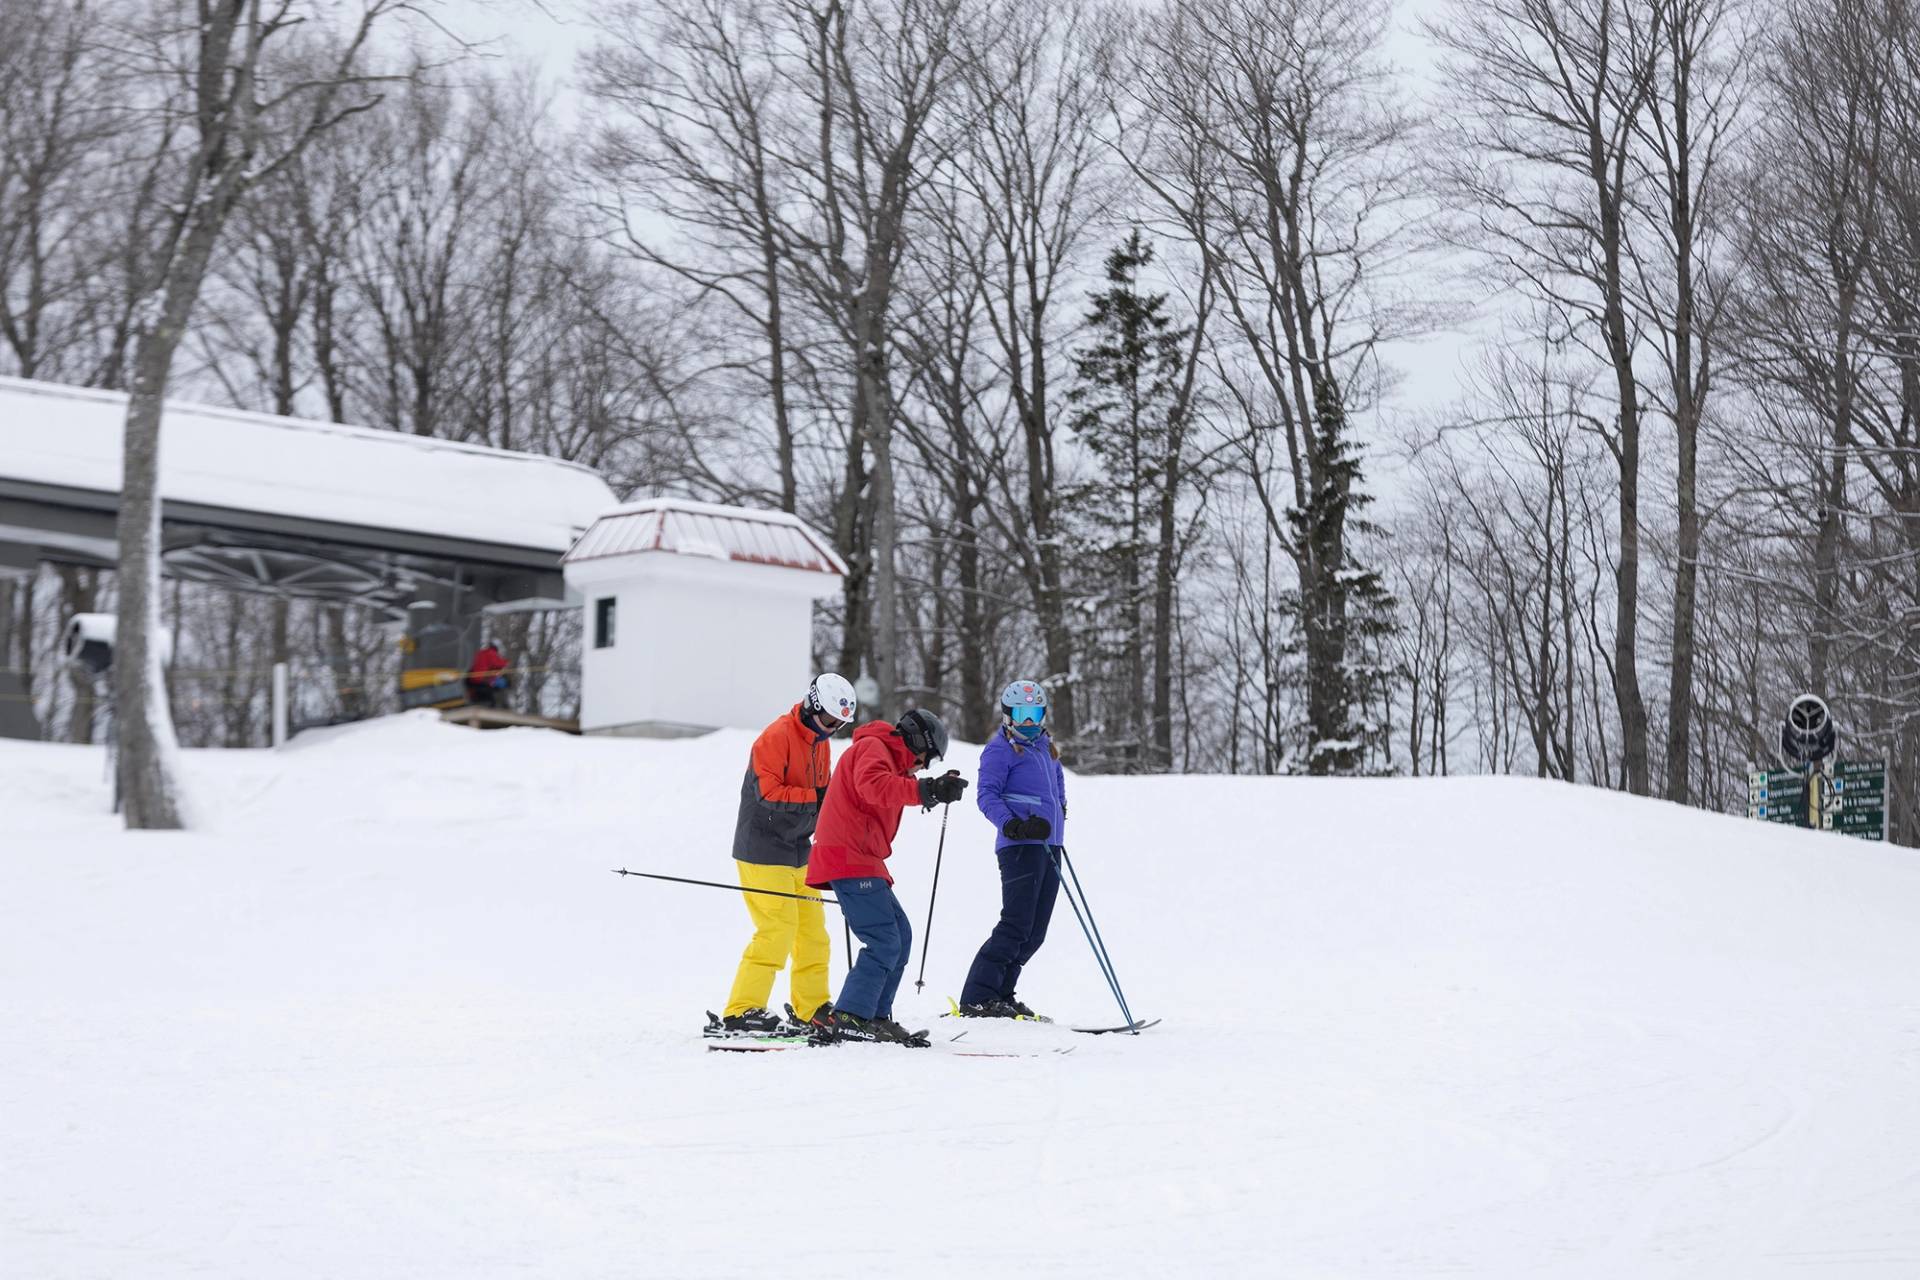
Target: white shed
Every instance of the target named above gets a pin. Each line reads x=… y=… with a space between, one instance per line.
x=697 y=616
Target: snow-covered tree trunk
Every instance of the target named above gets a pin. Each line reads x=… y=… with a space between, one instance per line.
x=221 y=62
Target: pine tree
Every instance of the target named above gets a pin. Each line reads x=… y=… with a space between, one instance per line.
x=1130 y=416
x=1343 y=604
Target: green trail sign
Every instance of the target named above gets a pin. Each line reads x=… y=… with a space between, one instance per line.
x=1777 y=795
x=1858 y=804
x=1849 y=797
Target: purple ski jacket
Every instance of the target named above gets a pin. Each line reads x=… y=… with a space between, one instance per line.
x=1022 y=778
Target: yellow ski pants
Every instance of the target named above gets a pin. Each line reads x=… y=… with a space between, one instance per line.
x=782 y=927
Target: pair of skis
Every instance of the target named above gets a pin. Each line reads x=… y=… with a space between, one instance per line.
x=775 y=1041
x=776 y=1044
x=1136 y=1027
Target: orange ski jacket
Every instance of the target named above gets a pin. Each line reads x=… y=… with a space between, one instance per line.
x=780 y=795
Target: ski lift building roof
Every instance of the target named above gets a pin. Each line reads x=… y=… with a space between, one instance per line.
x=682 y=527
x=258 y=471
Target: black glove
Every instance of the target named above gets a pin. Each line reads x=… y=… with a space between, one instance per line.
x=1030 y=829
x=942 y=790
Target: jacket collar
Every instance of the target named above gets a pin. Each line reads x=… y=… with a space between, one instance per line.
x=799 y=715
x=902 y=758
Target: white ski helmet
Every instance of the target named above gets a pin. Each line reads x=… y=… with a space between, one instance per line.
x=832 y=698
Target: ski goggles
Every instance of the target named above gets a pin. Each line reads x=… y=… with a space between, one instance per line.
x=833 y=719
x=1027 y=714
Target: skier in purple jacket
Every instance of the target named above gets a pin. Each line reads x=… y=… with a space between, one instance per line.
x=1023 y=791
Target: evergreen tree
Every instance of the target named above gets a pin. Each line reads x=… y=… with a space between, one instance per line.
x=1129 y=414
x=1343 y=604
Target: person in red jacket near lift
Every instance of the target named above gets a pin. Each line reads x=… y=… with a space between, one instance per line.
x=487 y=676
x=872 y=784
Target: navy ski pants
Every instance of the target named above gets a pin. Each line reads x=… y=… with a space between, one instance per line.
x=1029 y=882
x=880 y=923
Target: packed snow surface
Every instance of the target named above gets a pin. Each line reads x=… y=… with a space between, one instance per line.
x=388 y=1014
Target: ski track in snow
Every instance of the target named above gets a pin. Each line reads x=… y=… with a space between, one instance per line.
x=389 y=1014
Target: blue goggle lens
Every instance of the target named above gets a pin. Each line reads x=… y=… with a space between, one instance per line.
x=1029 y=715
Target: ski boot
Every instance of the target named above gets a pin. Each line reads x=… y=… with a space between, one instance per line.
x=899 y=1035
x=837 y=1026
x=988 y=1009
x=1020 y=1010
x=823 y=1027
x=754 y=1022
x=795 y=1025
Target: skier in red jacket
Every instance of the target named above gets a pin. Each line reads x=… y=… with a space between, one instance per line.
x=487 y=676
x=872 y=784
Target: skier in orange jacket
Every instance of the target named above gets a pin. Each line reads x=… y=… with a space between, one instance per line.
x=780 y=799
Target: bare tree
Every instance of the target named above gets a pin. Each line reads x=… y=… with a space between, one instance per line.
x=1822 y=483
x=268 y=279
x=1290 y=165
x=1423 y=582
x=876 y=80
x=950 y=422
x=218 y=51
x=1547 y=99
x=1034 y=169
x=1809 y=215
x=57 y=113
x=786 y=146
x=697 y=169
x=1690 y=123
x=418 y=212
x=1512 y=480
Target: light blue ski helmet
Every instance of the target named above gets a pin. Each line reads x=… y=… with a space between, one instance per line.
x=1024 y=703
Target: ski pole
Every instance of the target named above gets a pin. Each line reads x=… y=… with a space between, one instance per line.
x=716 y=884
x=927 y=933
x=1106 y=969
x=1099 y=941
x=1092 y=931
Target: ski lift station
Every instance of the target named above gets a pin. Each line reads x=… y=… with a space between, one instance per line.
x=697 y=616
x=436 y=534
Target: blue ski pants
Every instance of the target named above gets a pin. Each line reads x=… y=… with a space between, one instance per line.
x=1029 y=883
x=878 y=920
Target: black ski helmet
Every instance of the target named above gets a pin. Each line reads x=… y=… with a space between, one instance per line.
x=923 y=733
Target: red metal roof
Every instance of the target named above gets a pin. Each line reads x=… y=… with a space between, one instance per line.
x=688 y=528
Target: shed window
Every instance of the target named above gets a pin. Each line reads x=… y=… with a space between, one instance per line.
x=603 y=622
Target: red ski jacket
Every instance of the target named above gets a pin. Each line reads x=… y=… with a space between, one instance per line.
x=871 y=785
x=487 y=663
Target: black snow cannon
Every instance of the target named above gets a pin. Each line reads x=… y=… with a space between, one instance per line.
x=1807 y=734
x=88 y=641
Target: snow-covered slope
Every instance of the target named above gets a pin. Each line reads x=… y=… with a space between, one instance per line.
x=391 y=1016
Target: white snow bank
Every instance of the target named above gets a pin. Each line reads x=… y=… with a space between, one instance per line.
x=392 y=1016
